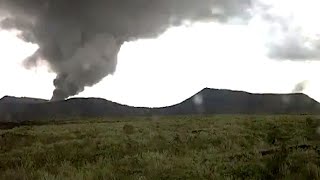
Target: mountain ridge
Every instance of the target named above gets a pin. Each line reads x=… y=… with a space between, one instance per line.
x=15 y=99
x=206 y=101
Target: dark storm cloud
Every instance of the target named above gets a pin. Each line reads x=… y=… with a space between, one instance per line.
x=80 y=39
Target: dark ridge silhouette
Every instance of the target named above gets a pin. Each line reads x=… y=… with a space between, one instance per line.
x=207 y=101
x=220 y=101
x=11 y=99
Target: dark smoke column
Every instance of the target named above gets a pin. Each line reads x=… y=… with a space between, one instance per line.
x=89 y=64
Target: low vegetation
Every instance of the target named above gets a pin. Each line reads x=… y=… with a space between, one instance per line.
x=184 y=147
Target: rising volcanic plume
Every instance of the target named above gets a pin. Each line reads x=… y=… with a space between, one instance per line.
x=80 y=39
x=300 y=87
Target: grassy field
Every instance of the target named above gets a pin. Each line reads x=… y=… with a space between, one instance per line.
x=184 y=147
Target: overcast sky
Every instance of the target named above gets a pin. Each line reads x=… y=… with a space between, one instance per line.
x=271 y=53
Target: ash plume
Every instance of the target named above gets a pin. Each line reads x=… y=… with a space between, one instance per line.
x=300 y=87
x=80 y=39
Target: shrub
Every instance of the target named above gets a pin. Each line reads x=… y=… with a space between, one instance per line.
x=128 y=129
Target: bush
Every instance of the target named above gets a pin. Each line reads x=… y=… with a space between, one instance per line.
x=311 y=129
x=128 y=129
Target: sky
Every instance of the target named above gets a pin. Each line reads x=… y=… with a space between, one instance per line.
x=166 y=70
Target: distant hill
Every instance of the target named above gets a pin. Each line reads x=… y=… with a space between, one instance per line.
x=217 y=101
x=11 y=99
x=207 y=101
x=78 y=107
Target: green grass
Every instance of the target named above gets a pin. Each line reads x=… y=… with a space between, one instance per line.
x=184 y=147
